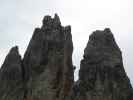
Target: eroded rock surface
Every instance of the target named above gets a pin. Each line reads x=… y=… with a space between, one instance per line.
x=46 y=71
x=11 y=78
x=48 y=61
x=102 y=75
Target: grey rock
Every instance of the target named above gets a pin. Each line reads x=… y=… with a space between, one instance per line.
x=48 y=61
x=47 y=73
x=102 y=75
x=11 y=78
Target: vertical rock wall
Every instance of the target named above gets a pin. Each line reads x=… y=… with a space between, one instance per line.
x=102 y=75
x=48 y=59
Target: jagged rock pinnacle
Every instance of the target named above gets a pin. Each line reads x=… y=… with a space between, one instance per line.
x=11 y=79
x=48 y=61
x=49 y=22
x=56 y=20
x=11 y=68
x=47 y=72
x=102 y=75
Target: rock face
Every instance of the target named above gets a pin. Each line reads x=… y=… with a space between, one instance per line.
x=102 y=75
x=48 y=61
x=46 y=71
x=11 y=79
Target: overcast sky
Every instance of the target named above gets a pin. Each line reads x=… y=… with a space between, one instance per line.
x=18 y=19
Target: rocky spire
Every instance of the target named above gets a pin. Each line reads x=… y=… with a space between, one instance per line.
x=48 y=61
x=56 y=20
x=11 y=83
x=102 y=75
x=11 y=68
x=50 y=23
x=46 y=71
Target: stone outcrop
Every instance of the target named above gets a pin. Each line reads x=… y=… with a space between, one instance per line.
x=102 y=75
x=46 y=71
x=11 y=78
x=48 y=61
